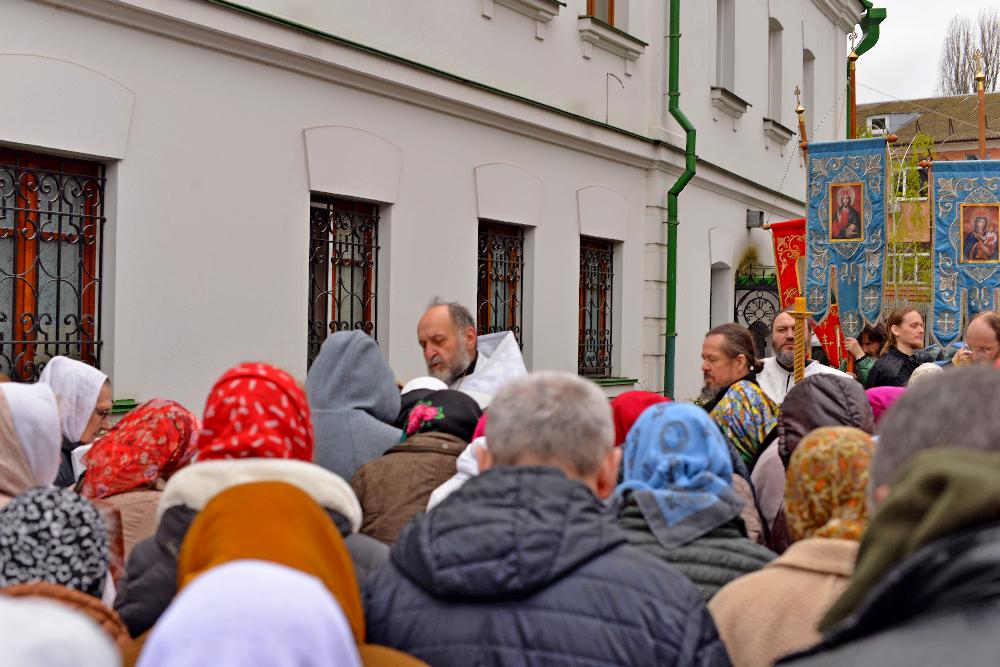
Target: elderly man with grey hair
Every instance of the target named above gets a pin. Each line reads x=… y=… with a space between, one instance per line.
x=524 y=565
x=456 y=355
x=926 y=586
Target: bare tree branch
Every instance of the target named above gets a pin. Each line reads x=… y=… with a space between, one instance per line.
x=988 y=24
x=955 y=69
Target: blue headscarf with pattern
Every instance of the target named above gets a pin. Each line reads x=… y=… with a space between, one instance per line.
x=676 y=456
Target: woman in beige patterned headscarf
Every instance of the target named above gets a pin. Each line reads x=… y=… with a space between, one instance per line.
x=826 y=510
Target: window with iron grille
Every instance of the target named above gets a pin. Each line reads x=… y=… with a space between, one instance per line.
x=343 y=269
x=597 y=259
x=51 y=226
x=500 y=282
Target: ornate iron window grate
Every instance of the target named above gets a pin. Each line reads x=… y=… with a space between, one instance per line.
x=500 y=283
x=757 y=303
x=597 y=259
x=343 y=269
x=51 y=230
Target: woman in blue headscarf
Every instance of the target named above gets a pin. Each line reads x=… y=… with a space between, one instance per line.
x=677 y=502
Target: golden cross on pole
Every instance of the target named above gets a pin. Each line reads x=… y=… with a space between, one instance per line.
x=801 y=112
x=976 y=57
x=854 y=38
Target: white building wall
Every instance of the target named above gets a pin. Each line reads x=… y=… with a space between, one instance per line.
x=206 y=248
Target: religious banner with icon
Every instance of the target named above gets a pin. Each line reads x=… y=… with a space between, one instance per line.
x=966 y=204
x=789 y=239
x=845 y=232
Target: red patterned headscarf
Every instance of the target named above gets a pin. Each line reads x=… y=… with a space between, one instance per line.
x=256 y=411
x=153 y=441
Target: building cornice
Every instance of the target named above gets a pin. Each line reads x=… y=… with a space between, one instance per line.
x=845 y=14
x=540 y=11
x=228 y=28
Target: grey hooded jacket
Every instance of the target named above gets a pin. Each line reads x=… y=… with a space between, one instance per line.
x=354 y=399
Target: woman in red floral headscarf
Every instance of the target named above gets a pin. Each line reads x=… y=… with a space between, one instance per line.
x=127 y=467
x=257 y=428
x=256 y=411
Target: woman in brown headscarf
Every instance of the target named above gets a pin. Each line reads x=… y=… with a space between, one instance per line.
x=279 y=523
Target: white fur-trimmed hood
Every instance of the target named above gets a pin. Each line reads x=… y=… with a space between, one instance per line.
x=195 y=485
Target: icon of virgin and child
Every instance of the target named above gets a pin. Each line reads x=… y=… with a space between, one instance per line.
x=980 y=232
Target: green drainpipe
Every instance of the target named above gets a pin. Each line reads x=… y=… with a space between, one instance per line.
x=869 y=23
x=690 y=163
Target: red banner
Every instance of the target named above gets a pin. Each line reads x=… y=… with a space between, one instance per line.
x=789 y=240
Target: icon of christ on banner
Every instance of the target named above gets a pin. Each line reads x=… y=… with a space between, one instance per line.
x=846 y=212
x=980 y=225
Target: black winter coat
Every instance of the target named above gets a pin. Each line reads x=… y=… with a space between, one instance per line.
x=895 y=368
x=523 y=566
x=150 y=581
x=939 y=606
x=711 y=561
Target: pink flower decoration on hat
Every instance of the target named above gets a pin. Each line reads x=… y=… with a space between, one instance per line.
x=420 y=414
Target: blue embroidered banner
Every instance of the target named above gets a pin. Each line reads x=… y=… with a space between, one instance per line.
x=845 y=232
x=966 y=204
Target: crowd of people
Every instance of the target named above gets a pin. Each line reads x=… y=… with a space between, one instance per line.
x=484 y=515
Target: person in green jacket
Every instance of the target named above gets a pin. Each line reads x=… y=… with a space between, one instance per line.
x=866 y=349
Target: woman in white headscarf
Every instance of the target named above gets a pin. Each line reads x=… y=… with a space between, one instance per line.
x=29 y=438
x=43 y=633
x=84 y=395
x=250 y=612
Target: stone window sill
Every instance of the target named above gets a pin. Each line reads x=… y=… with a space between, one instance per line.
x=729 y=102
x=542 y=11
x=595 y=32
x=777 y=132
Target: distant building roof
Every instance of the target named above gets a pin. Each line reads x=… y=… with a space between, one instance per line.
x=944 y=119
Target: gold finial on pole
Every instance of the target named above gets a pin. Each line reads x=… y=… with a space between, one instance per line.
x=800 y=315
x=801 y=112
x=852 y=90
x=977 y=57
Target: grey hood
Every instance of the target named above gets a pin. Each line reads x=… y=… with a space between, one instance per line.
x=353 y=398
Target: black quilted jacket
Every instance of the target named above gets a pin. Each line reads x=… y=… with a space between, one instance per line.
x=523 y=566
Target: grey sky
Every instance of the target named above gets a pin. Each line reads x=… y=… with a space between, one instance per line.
x=904 y=62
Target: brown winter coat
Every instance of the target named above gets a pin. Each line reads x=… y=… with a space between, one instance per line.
x=770 y=613
x=396 y=486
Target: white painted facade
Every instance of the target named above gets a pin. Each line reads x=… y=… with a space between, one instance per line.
x=216 y=124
